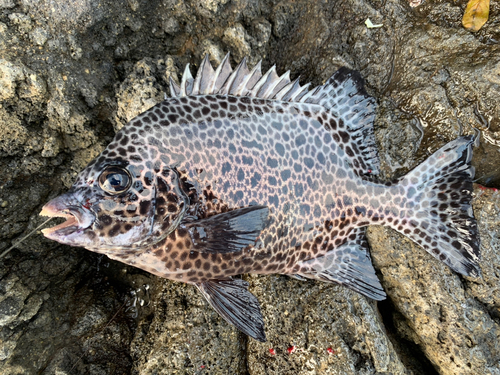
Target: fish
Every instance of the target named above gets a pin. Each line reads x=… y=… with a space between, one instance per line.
x=241 y=172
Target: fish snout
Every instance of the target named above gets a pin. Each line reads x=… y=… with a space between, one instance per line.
x=78 y=217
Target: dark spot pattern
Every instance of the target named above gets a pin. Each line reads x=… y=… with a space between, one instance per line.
x=198 y=156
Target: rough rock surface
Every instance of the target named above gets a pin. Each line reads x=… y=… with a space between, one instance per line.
x=74 y=72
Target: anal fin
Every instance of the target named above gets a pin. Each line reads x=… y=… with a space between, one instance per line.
x=232 y=300
x=349 y=264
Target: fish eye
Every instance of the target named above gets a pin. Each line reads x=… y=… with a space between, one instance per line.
x=115 y=180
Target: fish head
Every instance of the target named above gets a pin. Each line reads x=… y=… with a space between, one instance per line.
x=118 y=203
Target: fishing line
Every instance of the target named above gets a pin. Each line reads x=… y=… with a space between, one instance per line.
x=22 y=239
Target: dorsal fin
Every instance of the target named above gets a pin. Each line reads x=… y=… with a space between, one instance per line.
x=204 y=78
x=235 y=79
x=175 y=89
x=187 y=82
x=223 y=71
x=343 y=95
x=240 y=82
x=250 y=80
x=345 y=87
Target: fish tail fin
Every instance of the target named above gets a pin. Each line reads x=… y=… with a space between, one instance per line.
x=438 y=207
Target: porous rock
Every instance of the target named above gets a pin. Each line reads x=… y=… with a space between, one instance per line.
x=73 y=73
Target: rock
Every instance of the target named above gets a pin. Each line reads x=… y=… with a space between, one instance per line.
x=319 y=329
x=214 y=51
x=212 y=5
x=73 y=73
x=39 y=36
x=22 y=21
x=170 y=25
x=142 y=90
x=10 y=74
x=13 y=135
x=234 y=37
x=183 y=335
x=7 y=4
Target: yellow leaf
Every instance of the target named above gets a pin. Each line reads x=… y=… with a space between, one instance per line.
x=476 y=14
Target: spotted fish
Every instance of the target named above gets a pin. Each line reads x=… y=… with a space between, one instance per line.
x=243 y=172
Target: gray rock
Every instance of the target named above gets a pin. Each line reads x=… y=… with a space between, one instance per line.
x=10 y=74
x=14 y=135
x=234 y=38
x=212 y=5
x=73 y=73
x=39 y=36
x=170 y=25
x=7 y=4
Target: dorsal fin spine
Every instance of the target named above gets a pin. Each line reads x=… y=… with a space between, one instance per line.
x=284 y=81
x=275 y=86
x=225 y=90
x=223 y=71
x=187 y=82
x=175 y=90
x=261 y=82
x=310 y=96
x=250 y=80
x=240 y=74
x=271 y=78
x=303 y=90
x=197 y=79
x=203 y=78
x=285 y=92
x=255 y=76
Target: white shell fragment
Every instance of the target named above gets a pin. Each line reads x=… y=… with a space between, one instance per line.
x=370 y=25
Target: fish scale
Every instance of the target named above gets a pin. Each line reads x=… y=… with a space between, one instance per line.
x=243 y=172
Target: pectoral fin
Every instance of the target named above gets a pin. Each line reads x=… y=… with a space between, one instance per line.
x=232 y=300
x=230 y=231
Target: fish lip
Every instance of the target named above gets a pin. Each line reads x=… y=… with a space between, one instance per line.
x=78 y=218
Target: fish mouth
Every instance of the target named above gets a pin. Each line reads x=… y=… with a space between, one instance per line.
x=71 y=222
x=78 y=218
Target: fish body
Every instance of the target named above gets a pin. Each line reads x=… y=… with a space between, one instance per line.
x=241 y=172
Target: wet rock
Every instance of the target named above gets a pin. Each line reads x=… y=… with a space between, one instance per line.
x=73 y=73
